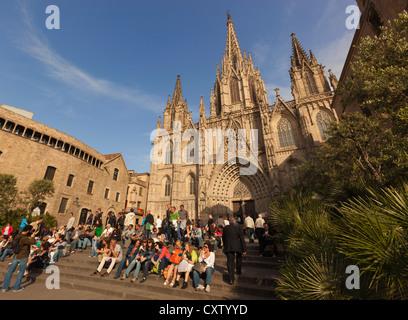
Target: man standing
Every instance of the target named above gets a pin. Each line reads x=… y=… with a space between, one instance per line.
x=149 y=223
x=121 y=221
x=25 y=240
x=249 y=227
x=98 y=217
x=234 y=248
x=183 y=214
x=89 y=219
x=129 y=219
x=70 y=227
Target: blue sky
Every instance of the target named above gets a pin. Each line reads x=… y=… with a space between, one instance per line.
x=105 y=76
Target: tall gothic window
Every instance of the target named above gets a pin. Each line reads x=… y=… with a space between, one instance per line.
x=191 y=185
x=169 y=154
x=167 y=188
x=286 y=133
x=323 y=120
x=234 y=90
x=311 y=85
x=294 y=176
x=252 y=90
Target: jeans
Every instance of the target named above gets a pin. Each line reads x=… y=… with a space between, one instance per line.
x=13 y=267
x=208 y=276
x=250 y=233
x=73 y=246
x=83 y=243
x=94 y=248
x=122 y=264
x=5 y=253
x=196 y=239
x=217 y=242
x=58 y=253
x=163 y=264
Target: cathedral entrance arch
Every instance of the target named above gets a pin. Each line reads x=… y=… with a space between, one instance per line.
x=238 y=194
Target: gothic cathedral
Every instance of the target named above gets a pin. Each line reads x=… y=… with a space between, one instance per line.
x=287 y=131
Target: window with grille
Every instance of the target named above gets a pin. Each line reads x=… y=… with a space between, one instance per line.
x=90 y=187
x=286 y=133
x=63 y=205
x=167 y=188
x=323 y=120
x=70 y=180
x=50 y=173
x=115 y=174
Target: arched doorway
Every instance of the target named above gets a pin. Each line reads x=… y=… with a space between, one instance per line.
x=239 y=194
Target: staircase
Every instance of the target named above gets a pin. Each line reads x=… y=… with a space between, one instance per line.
x=256 y=282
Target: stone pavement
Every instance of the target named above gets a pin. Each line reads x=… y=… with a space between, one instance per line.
x=256 y=282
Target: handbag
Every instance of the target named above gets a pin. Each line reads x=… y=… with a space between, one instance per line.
x=199 y=266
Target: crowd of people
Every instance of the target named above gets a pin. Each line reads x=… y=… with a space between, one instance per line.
x=173 y=246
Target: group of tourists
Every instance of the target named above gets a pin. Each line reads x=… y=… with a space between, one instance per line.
x=173 y=246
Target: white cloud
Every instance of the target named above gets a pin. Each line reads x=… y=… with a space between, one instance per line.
x=62 y=70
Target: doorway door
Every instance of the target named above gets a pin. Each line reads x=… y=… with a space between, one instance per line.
x=82 y=217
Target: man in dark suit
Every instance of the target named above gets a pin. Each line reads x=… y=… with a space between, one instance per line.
x=234 y=248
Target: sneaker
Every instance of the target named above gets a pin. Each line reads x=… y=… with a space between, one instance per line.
x=185 y=285
x=207 y=288
x=143 y=280
x=52 y=262
x=19 y=289
x=176 y=284
x=133 y=280
x=200 y=287
x=116 y=276
x=125 y=276
x=5 y=290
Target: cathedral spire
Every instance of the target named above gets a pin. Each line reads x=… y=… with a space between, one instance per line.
x=233 y=52
x=158 y=126
x=202 y=108
x=178 y=94
x=299 y=54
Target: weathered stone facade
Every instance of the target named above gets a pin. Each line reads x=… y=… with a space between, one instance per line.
x=287 y=132
x=83 y=178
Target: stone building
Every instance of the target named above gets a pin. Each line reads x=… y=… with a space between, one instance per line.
x=137 y=193
x=374 y=15
x=83 y=178
x=287 y=131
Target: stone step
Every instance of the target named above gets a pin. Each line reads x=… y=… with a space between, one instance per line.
x=150 y=290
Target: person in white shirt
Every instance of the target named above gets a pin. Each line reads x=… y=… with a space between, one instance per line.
x=259 y=226
x=115 y=255
x=249 y=227
x=129 y=219
x=208 y=257
x=70 y=225
x=158 y=223
x=106 y=232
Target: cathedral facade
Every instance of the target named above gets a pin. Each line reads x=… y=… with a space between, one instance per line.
x=286 y=132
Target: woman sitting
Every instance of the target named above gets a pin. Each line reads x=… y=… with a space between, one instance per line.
x=145 y=259
x=207 y=257
x=189 y=260
x=175 y=259
x=135 y=261
x=164 y=257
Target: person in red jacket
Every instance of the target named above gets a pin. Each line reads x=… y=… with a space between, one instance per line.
x=7 y=230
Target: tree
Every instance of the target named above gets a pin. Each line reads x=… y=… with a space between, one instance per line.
x=37 y=192
x=368 y=148
x=8 y=194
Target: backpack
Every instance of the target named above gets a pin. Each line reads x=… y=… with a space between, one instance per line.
x=15 y=246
